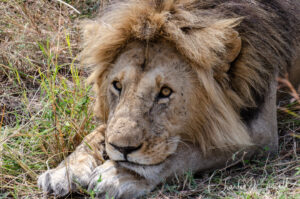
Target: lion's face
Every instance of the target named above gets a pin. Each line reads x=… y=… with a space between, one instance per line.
x=148 y=102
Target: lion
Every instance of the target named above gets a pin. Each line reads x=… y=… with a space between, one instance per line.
x=181 y=85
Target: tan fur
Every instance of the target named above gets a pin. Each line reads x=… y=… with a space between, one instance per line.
x=144 y=21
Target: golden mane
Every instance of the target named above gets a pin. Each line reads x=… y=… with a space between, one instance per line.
x=149 y=20
x=231 y=85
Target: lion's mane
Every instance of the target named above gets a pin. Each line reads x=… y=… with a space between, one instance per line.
x=202 y=32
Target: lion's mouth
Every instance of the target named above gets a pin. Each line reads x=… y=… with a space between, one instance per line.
x=144 y=155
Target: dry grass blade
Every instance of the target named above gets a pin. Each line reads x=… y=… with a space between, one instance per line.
x=287 y=83
x=60 y=1
x=2 y=117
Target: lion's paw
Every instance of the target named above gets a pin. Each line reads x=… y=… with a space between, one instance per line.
x=61 y=181
x=115 y=182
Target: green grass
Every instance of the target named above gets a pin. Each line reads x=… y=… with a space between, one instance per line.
x=45 y=111
x=49 y=134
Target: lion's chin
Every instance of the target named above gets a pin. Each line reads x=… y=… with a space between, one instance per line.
x=129 y=163
x=149 y=171
x=138 y=161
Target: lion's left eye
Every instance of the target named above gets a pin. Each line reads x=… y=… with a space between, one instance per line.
x=117 y=85
x=165 y=92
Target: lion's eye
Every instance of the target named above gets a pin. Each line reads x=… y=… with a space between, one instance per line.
x=117 y=85
x=165 y=92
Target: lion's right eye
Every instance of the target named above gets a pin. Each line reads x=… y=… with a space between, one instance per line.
x=165 y=92
x=117 y=85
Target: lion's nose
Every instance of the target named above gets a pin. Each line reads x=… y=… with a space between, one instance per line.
x=126 y=150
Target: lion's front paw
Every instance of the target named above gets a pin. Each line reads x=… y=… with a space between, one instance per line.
x=112 y=181
x=61 y=181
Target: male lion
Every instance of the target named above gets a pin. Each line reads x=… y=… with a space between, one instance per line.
x=181 y=85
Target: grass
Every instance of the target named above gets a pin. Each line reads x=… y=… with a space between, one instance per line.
x=45 y=111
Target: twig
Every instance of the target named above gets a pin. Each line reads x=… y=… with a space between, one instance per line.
x=287 y=83
x=68 y=5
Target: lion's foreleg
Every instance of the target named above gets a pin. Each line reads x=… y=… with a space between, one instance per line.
x=114 y=181
x=76 y=169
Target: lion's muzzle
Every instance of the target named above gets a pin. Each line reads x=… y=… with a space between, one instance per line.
x=126 y=150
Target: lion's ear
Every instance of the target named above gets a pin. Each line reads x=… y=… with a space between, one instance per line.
x=224 y=31
x=233 y=46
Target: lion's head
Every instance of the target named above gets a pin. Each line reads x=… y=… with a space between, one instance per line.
x=161 y=79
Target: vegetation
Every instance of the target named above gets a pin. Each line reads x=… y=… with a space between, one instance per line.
x=45 y=111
